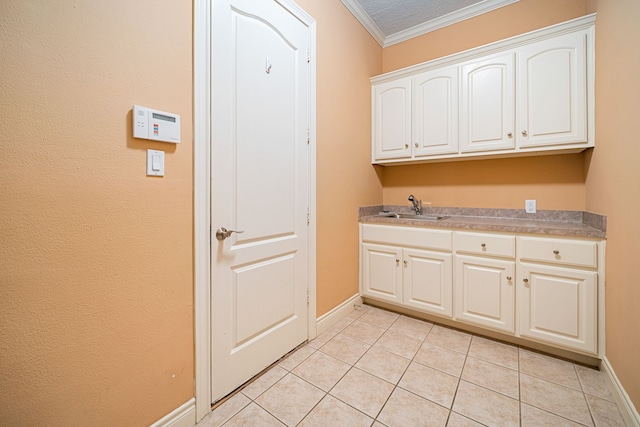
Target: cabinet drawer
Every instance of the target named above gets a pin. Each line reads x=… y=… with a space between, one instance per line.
x=485 y=244
x=580 y=253
x=407 y=236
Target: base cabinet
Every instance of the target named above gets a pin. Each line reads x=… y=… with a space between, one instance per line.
x=427 y=281
x=538 y=288
x=381 y=273
x=558 y=306
x=484 y=292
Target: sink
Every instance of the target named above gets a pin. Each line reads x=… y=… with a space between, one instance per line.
x=414 y=216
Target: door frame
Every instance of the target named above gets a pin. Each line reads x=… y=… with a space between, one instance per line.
x=202 y=43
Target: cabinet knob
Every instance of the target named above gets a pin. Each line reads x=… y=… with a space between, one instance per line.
x=556 y=252
x=416 y=145
x=525 y=280
x=397 y=261
x=509 y=278
x=524 y=133
x=484 y=245
x=405 y=262
x=510 y=135
x=406 y=146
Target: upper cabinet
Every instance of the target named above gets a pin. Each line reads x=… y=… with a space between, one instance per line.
x=392 y=119
x=487 y=113
x=527 y=95
x=552 y=92
x=435 y=112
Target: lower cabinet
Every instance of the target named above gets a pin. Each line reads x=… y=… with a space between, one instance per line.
x=537 y=288
x=381 y=273
x=484 y=292
x=426 y=281
x=558 y=306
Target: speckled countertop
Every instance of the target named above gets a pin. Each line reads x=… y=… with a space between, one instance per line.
x=555 y=223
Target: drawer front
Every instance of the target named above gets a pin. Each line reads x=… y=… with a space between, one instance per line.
x=580 y=253
x=426 y=238
x=485 y=244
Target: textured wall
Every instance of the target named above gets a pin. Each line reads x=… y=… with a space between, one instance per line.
x=346 y=57
x=613 y=177
x=556 y=182
x=96 y=316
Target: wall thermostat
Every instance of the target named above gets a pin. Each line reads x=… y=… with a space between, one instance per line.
x=155 y=125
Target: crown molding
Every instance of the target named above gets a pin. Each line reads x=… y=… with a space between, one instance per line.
x=418 y=30
x=366 y=21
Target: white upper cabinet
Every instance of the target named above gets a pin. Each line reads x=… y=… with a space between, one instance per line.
x=487 y=113
x=528 y=95
x=391 y=103
x=552 y=91
x=435 y=112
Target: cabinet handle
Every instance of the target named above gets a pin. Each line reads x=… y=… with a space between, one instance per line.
x=510 y=135
x=524 y=133
x=509 y=278
x=556 y=252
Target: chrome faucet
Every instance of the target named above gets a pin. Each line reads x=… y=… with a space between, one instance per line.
x=417 y=204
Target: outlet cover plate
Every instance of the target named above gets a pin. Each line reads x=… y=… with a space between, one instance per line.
x=530 y=206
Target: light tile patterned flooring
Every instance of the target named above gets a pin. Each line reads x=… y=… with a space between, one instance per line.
x=378 y=368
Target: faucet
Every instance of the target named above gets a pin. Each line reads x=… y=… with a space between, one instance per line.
x=417 y=204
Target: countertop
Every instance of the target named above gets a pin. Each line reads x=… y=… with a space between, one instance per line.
x=546 y=222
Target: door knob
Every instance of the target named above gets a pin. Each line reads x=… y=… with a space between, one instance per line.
x=222 y=233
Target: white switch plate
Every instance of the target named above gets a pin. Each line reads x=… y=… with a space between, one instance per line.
x=530 y=206
x=155 y=163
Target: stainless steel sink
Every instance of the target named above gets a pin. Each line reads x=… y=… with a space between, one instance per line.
x=414 y=216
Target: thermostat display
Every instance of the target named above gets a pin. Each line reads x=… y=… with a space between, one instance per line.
x=155 y=125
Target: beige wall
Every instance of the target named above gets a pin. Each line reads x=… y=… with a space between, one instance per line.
x=346 y=57
x=602 y=180
x=96 y=302
x=96 y=282
x=556 y=182
x=613 y=177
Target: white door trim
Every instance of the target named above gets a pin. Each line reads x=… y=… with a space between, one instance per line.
x=202 y=193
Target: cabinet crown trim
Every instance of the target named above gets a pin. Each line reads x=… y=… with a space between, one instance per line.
x=582 y=23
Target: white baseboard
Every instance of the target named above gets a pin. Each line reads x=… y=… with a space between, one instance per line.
x=184 y=416
x=629 y=411
x=327 y=320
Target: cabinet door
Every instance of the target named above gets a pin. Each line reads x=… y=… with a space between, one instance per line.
x=392 y=119
x=552 y=92
x=557 y=305
x=435 y=112
x=484 y=292
x=487 y=108
x=427 y=281
x=381 y=272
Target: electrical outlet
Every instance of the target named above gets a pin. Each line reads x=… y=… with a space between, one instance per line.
x=530 y=206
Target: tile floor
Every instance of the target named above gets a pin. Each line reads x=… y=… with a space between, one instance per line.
x=377 y=368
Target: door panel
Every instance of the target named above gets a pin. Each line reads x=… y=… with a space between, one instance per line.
x=260 y=186
x=485 y=294
x=558 y=305
x=553 y=92
x=392 y=121
x=488 y=104
x=435 y=112
x=427 y=281
x=381 y=274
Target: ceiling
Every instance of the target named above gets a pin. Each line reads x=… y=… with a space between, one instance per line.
x=394 y=21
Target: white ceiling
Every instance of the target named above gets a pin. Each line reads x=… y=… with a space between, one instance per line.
x=394 y=21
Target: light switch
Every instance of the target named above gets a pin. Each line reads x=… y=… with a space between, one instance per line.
x=155 y=163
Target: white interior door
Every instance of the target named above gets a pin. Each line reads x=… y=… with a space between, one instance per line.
x=260 y=92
